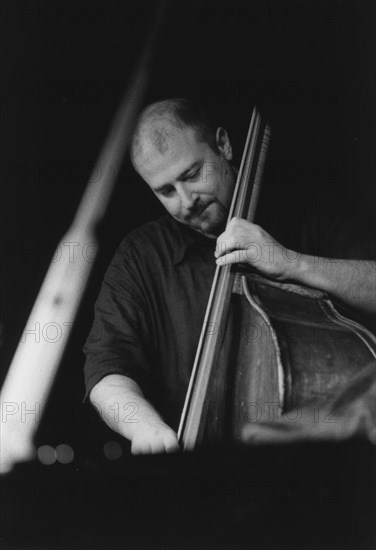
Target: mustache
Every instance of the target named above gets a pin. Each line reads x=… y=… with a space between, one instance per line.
x=197 y=209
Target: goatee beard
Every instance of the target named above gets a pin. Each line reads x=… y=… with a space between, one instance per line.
x=213 y=228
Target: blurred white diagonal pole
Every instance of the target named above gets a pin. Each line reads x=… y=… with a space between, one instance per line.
x=39 y=352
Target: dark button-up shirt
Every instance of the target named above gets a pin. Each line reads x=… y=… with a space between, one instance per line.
x=150 y=311
x=151 y=306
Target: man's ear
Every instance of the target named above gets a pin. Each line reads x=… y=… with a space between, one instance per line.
x=223 y=143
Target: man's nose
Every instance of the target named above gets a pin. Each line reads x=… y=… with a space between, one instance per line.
x=188 y=199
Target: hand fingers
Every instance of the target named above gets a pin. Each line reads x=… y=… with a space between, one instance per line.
x=172 y=446
x=225 y=244
x=243 y=235
x=248 y=250
x=140 y=449
x=157 y=446
x=156 y=443
x=237 y=256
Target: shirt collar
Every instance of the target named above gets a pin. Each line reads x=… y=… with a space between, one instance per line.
x=186 y=239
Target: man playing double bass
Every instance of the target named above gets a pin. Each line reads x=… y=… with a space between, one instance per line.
x=151 y=306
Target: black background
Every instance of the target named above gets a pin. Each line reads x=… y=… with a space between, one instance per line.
x=308 y=65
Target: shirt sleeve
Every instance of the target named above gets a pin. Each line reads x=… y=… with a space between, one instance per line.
x=119 y=342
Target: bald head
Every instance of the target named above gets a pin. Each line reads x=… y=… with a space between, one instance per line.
x=160 y=124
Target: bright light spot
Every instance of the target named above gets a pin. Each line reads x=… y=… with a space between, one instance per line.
x=112 y=450
x=46 y=455
x=65 y=453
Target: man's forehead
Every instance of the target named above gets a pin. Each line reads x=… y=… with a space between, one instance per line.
x=183 y=149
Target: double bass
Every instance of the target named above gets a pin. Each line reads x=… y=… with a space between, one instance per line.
x=268 y=349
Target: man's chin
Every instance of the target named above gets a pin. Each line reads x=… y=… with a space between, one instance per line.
x=206 y=233
x=210 y=222
x=208 y=229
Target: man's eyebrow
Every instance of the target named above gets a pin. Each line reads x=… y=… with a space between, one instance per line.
x=184 y=174
x=181 y=176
